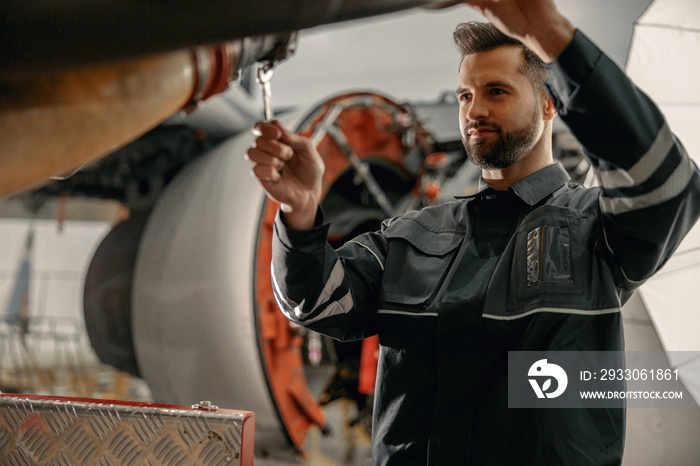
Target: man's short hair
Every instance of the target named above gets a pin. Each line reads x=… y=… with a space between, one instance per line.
x=476 y=37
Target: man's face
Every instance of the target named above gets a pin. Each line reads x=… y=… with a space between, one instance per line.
x=499 y=114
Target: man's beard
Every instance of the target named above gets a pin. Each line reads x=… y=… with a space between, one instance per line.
x=506 y=150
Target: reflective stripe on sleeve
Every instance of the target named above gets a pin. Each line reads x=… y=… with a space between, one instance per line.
x=645 y=166
x=672 y=187
x=335 y=279
x=341 y=306
x=294 y=311
x=287 y=306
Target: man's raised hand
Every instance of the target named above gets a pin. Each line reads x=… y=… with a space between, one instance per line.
x=538 y=24
x=290 y=170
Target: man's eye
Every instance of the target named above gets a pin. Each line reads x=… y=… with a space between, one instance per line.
x=464 y=96
x=496 y=91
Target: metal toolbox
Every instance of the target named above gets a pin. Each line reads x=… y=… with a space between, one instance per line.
x=79 y=431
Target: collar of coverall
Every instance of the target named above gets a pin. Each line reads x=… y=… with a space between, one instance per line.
x=533 y=188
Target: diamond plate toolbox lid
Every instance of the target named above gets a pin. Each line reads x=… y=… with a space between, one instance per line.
x=67 y=431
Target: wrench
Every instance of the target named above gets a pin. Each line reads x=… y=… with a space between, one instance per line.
x=264 y=77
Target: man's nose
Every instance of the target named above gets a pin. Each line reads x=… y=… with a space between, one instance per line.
x=477 y=109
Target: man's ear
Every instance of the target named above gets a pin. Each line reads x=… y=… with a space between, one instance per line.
x=550 y=110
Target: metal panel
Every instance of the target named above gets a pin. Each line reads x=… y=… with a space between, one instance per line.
x=65 y=431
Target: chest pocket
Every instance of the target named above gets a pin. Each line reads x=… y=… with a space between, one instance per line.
x=552 y=261
x=417 y=262
x=546 y=264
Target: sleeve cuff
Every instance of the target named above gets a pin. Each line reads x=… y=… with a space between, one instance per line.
x=571 y=69
x=303 y=241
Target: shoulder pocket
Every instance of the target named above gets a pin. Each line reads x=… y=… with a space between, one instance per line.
x=417 y=261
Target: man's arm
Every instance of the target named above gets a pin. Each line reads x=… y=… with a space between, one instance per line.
x=651 y=188
x=334 y=293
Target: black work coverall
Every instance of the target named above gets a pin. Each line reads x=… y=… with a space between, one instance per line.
x=544 y=266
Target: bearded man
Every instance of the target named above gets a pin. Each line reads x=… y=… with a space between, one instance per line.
x=530 y=262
